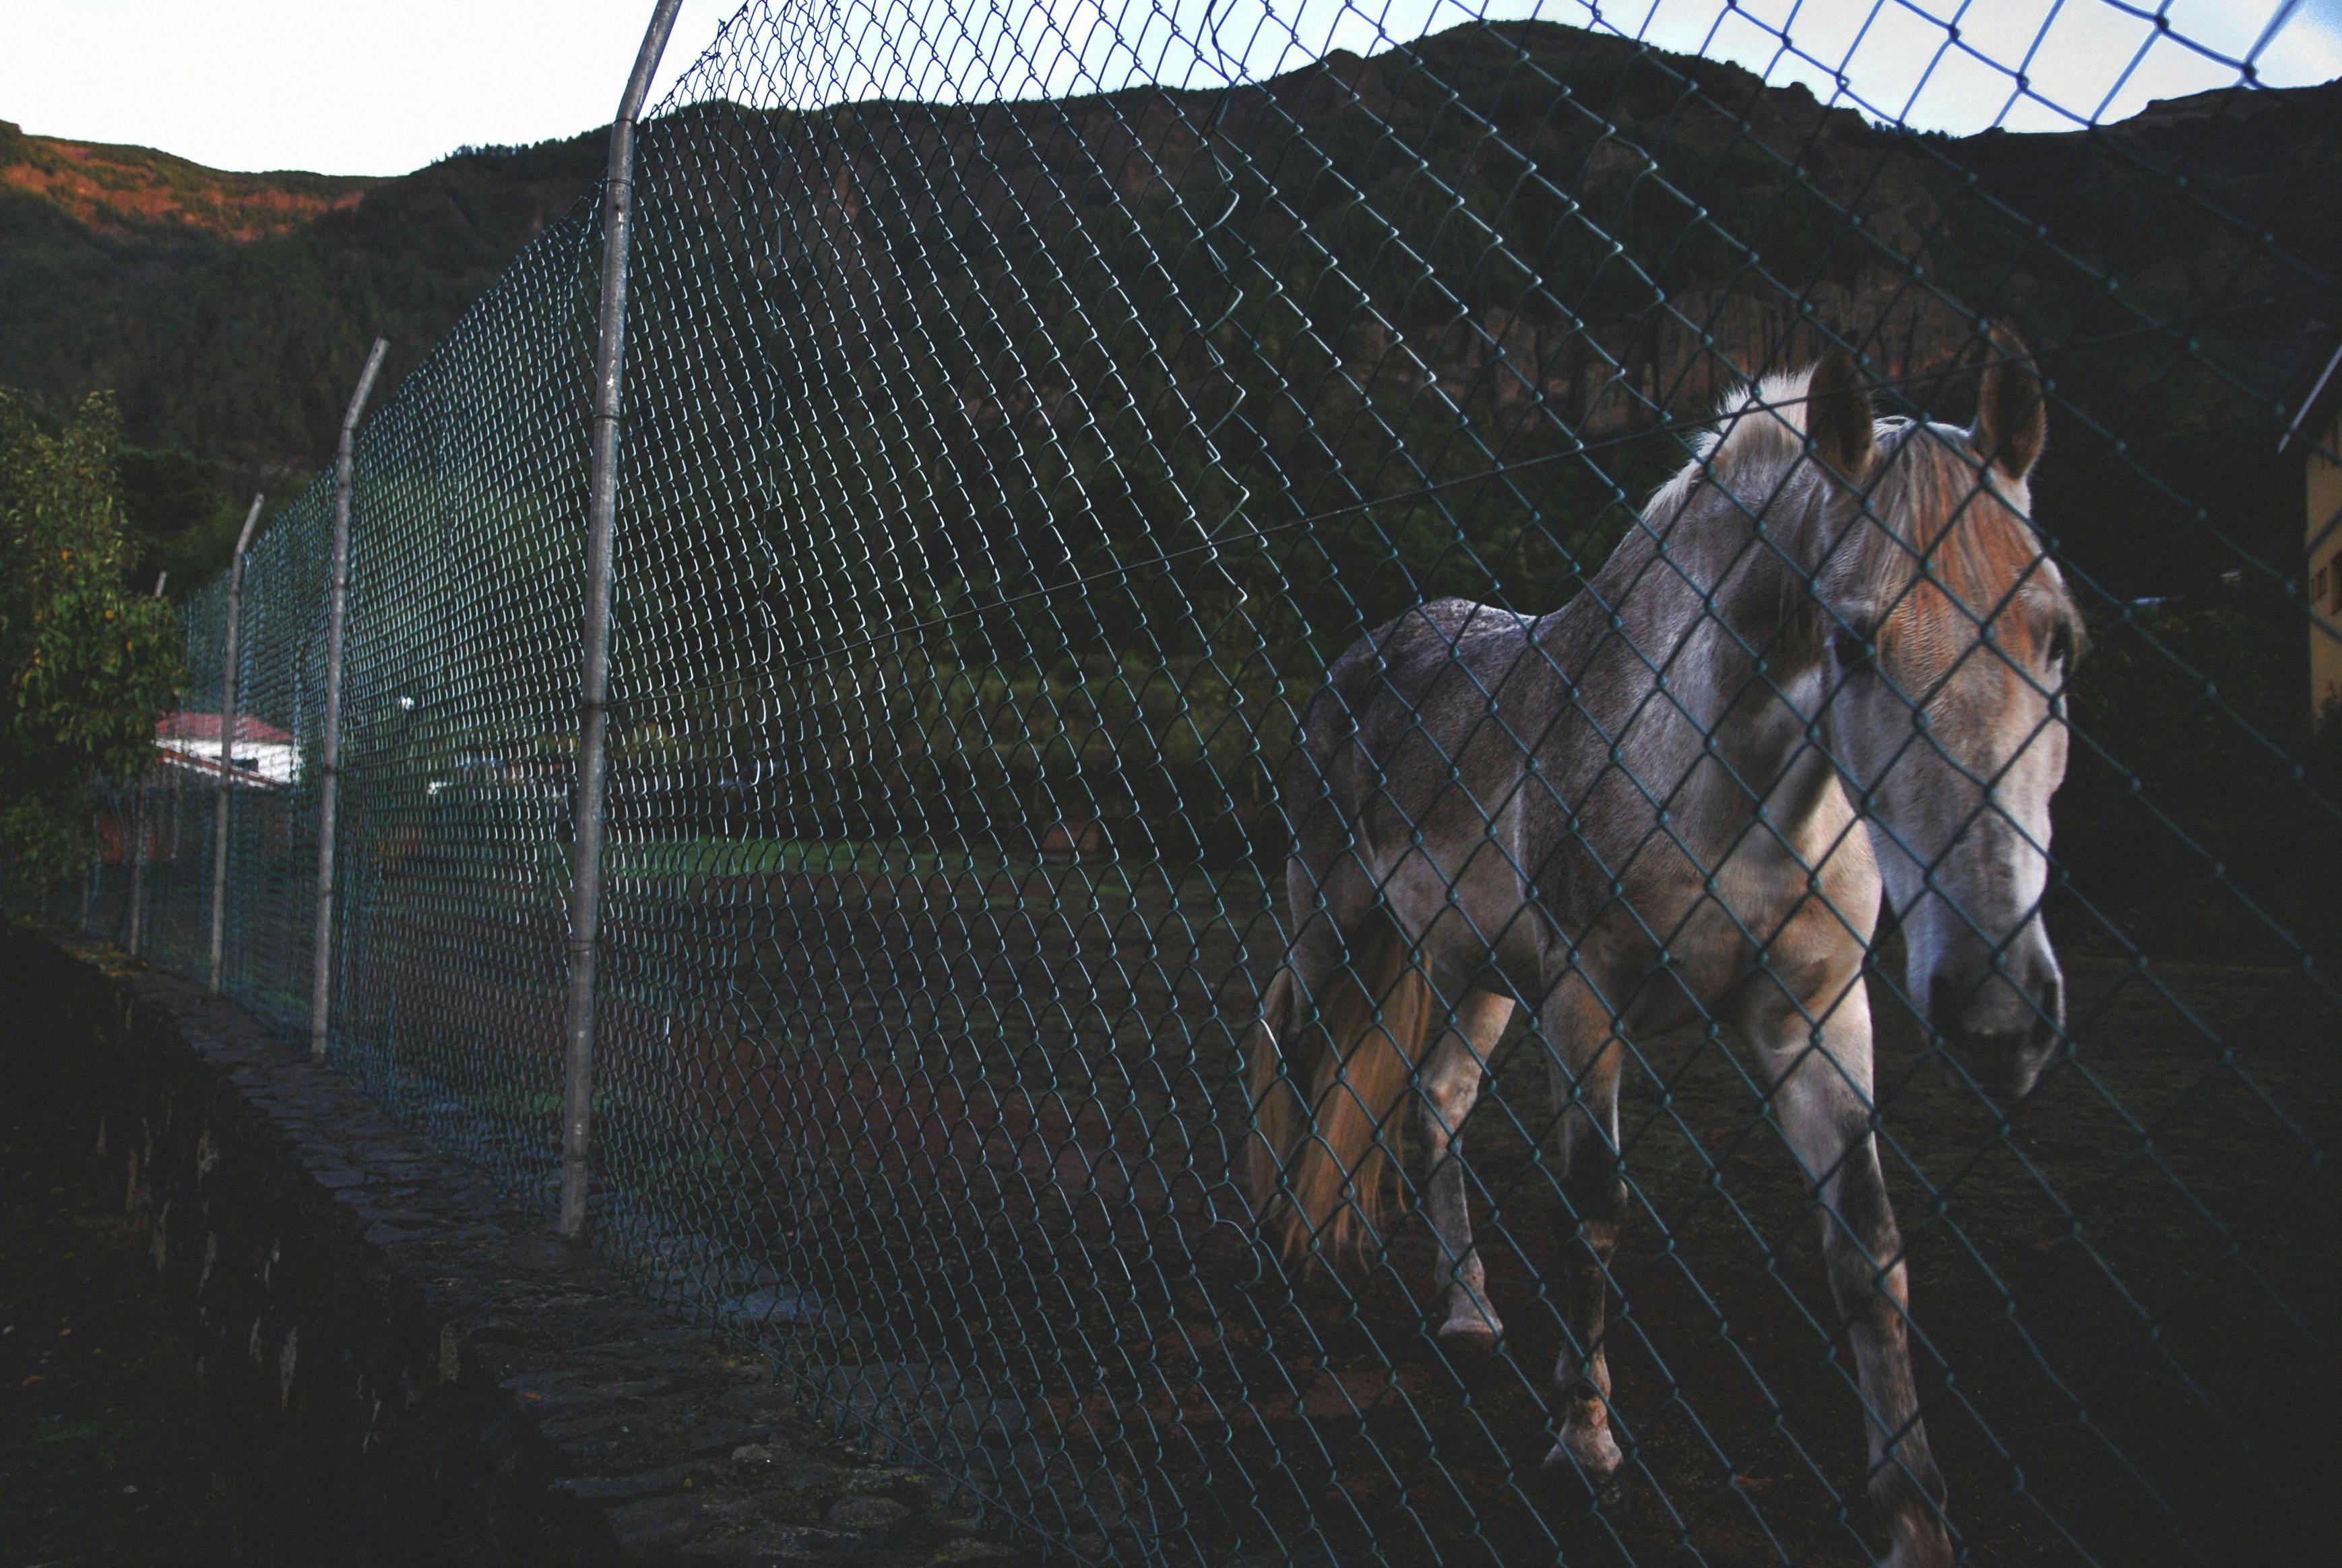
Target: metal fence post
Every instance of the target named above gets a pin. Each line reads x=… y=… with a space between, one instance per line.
x=601 y=511
x=138 y=856
x=321 y=947
x=138 y=869
x=227 y=740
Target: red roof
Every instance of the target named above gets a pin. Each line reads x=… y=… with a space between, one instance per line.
x=205 y=726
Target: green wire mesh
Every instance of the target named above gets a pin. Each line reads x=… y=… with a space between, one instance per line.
x=1025 y=408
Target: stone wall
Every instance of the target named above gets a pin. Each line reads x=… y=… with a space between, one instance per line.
x=400 y=1366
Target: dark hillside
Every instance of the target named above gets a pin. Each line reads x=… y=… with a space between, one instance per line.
x=1504 y=245
x=227 y=310
x=1445 y=215
x=230 y=312
x=233 y=331
x=80 y=222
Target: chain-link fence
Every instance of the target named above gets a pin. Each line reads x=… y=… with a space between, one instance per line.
x=1051 y=968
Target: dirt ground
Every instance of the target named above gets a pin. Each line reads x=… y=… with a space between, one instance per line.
x=1029 y=1085
x=987 y=1121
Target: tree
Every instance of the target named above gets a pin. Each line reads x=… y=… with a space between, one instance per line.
x=85 y=666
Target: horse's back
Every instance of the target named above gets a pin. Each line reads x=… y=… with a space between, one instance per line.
x=1431 y=677
x=1414 y=749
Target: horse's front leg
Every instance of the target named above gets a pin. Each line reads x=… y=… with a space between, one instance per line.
x=1583 y=1049
x=1450 y=1084
x=1819 y=1054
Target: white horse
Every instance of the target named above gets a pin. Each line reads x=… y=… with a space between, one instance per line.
x=1828 y=663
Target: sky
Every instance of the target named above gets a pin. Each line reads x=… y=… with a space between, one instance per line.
x=344 y=88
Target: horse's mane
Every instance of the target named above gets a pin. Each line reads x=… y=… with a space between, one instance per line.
x=1759 y=429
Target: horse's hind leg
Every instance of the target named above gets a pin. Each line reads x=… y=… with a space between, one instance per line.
x=1819 y=1057
x=1583 y=1049
x=1450 y=1084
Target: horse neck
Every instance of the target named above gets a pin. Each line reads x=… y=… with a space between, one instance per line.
x=1707 y=599
x=1707 y=582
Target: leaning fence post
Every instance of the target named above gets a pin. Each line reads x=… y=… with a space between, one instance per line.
x=321 y=947
x=227 y=740
x=601 y=513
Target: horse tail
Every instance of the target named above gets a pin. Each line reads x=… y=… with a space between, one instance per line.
x=1318 y=1167
x=1277 y=1108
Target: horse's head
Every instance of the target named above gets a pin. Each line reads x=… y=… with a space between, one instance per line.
x=1947 y=637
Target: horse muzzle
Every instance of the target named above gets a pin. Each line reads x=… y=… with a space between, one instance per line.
x=2004 y=1029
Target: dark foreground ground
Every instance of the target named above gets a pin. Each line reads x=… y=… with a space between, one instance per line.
x=103 y=1453
x=982 y=1121
x=988 y=1120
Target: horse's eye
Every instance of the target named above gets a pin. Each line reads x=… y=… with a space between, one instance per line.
x=1851 y=646
x=2061 y=646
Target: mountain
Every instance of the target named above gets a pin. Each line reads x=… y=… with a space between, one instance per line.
x=107 y=202
x=84 y=227
x=230 y=312
x=1509 y=238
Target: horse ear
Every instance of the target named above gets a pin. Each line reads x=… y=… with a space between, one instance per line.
x=1838 y=419
x=2012 y=418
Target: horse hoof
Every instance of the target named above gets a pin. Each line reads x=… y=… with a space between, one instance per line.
x=1592 y=1452
x=1472 y=1335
